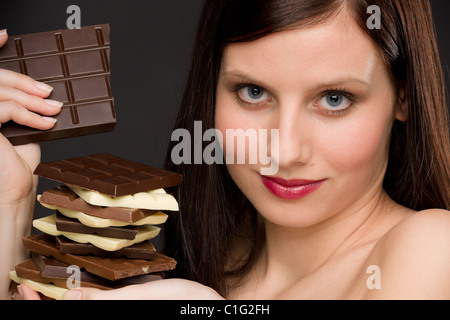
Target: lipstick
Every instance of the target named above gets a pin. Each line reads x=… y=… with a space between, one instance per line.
x=290 y=189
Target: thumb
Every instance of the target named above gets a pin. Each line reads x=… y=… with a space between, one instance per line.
x=8 y=152
x=3 y=37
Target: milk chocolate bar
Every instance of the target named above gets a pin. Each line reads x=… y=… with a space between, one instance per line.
x=63 y=197
x=76 y=63
x=69 y=225
x=108 y=174
x=47 y=270
x=108 y=268
x=143 y=250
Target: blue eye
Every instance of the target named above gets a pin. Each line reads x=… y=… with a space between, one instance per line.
x=253 y=94
x=334 y=101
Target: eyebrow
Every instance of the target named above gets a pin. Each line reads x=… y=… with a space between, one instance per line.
x=334 y=83
x=242 y=77
x=342 y=82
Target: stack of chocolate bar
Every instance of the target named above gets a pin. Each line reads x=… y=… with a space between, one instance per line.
x=107 y=211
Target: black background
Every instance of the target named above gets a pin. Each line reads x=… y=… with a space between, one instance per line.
x=150 y=52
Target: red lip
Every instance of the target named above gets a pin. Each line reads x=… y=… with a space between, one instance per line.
x=290 y=189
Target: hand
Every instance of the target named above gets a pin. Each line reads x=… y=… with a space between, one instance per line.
x=22 y=101
x=170 y=289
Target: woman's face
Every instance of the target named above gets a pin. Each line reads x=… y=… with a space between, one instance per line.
x=331 y=97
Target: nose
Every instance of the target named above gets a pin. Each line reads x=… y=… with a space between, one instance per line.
x=295 y=135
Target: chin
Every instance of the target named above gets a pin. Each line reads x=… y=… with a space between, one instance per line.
x=301 y=213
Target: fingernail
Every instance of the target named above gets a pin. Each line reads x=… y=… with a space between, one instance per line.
x=52 y=120
x=2 y=32
x=43 y=86
x=72 y=295
x=54 y=103
x=19 y=288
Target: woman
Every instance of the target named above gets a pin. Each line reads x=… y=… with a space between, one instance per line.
x=358 y=206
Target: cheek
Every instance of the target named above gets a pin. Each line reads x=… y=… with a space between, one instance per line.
x=224 y=115
x=225 y=119
x=235 y=123
x=354 y=146
x=230 y=115
x=244 y=167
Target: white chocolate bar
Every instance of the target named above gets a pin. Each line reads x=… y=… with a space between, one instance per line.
x=48 y=290
x=48 y=225
x=96 y=222
x=153 y=200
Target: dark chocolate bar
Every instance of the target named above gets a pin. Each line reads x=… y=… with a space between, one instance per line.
x=76 y=63
x=108 y=268
x=143 y=250
x=108 y=174
x=65 y=198
x=72 y=225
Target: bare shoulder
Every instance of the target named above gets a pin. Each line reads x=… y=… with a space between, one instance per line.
x=413 y=258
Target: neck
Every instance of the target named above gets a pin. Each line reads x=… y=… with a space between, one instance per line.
x=297 y=252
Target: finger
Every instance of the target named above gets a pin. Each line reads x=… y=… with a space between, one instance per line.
x=133 y=292
x=33 y=103
x=74 y=294
x=24 y=83
x=27 y=293
x=174 y=289
x=3 y=37
x=97 y=294
x=85 y=294
x=11 y=110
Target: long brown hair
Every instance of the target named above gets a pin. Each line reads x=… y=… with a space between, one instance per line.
x=213 y=211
